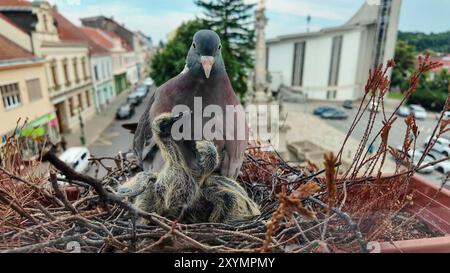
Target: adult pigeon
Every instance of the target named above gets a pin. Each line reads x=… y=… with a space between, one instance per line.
x=204 y=78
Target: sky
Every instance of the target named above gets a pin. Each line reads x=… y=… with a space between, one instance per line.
x=156 y=18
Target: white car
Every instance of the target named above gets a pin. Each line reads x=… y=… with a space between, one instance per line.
x=374 y=107
x=446 y=116
x=403 y=111
x=149 y=82
x=416 y=159
x=442 y=145
x=418 y=111
x=442 y=167
x=77 y=158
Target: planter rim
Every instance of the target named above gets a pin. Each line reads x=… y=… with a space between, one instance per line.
x=426 y=245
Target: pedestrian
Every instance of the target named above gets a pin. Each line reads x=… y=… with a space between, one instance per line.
x=371 y=149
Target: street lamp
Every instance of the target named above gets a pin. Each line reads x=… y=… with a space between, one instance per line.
x=308 y=21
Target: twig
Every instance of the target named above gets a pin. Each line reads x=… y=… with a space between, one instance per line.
x=60 y=195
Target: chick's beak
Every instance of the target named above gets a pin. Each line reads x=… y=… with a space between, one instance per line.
x=181 y=115
x=207 y=64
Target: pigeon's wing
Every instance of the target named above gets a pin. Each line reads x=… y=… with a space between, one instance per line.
x=142 y=143
x=236 y=135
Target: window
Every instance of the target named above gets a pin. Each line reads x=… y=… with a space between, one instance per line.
x=109 y=69
x=80 y=102
x=71 y=107
x=335 y=61
x=83 y=68
x=88 y=99
x=104 y=69
x=34 y=89
x=96 y=73
x=299 y=61
x=54 y=75
x=10 y=95
x=66 y=73
x=75 y=70
x=331 y=94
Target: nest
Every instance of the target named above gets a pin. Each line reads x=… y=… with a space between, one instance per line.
x=303 y=209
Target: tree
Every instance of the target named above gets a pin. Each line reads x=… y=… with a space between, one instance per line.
x=233 y=21
x=405 y=58
x=437 y=42
x=170 y=60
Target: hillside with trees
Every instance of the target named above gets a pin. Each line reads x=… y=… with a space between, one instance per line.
x=436 y=42
x=432 y=90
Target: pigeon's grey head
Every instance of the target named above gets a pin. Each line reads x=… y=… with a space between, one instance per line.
x=205 y=58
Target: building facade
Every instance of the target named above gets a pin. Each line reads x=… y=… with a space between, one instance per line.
x=136 y=43
x=333 y=64
x=101 y=68
x=66 y=55
x=24 y=96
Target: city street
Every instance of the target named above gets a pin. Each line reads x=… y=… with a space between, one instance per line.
x=116 y=139
x=396 y=135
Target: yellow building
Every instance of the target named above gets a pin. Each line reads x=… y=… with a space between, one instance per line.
x=24 y=95
x=38 y=27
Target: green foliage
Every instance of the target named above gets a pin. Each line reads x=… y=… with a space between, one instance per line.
x=405 y=58
x=233 y=21
x=170 y=60
x=431 y=100
x=436 y=42
x=432 y=94
x=395 y=95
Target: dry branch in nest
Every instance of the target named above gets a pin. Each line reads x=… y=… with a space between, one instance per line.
x=303 y=209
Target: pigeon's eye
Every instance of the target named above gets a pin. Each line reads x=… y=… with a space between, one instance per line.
x=193 y=45
x=220 y=47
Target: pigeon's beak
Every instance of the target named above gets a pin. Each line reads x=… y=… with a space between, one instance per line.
x=207 y=64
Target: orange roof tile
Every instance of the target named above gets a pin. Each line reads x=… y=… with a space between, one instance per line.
x=9 y=50
x=15 y=3
x=95 y=48
x=66 y=30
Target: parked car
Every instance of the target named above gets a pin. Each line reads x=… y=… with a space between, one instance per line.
x=348 y=104
x=446 y=116
x=418 y=111
x=134 y=99
x=320 y=110
x=77 y=158
x=442 y=167
x=149 y=82
x=442 y=145
x=124 y=111
x=415 y=160
x=142 y=91
x=335 y=114
x=403 y=111
x=374 y=107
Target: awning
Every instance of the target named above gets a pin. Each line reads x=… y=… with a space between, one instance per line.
x=33 y=132
x=36 y=127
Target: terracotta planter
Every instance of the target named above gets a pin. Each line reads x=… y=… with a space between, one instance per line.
x=435 y=212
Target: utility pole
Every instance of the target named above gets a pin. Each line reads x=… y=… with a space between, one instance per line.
x=82 y=137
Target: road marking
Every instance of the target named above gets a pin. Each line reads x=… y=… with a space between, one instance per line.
x=104 y=142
